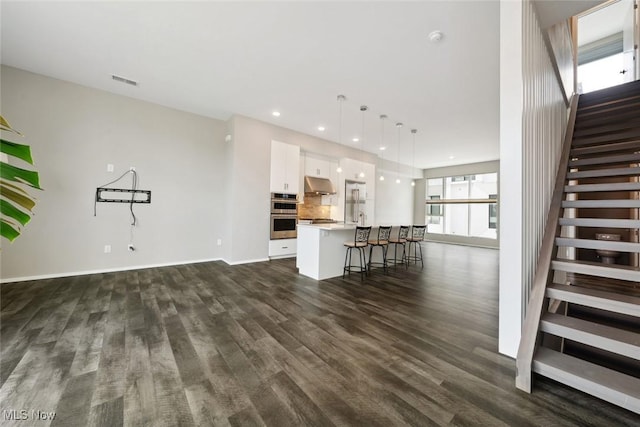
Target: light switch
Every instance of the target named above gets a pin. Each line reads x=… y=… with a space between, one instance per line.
x=109 y=167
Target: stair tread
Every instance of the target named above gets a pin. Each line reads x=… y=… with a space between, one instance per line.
x=614 y=245
x=600 y=222
x=615 y=340
x=617 y=203
x=611 y=126
x=611 y=271
x=604 y=300
x=622 y=147
x=618 y=135
x=621 y=158
x=609 y=107
x=607 y=384
x=613 y=186
x=620 y=91
x=620 y=117
x=598 y=173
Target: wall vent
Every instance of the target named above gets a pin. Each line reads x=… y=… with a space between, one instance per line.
x=124 y=80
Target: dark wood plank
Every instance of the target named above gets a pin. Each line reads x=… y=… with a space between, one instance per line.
x=75 y=402
x=257 y=344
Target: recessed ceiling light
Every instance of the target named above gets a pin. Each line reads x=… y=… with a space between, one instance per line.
x=276 y=113
x=356 y=139
x=383 y=148
x=321 y=128
x=452 y=157
x=435 y=36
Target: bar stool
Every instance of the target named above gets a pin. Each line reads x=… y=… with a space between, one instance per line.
x=401 y=239
x=417 y=236
x=360 y=242
x=382 y=242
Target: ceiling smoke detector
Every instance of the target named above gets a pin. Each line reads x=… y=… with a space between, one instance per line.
x=435 y=36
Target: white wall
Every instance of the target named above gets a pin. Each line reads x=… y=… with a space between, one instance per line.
x=394 y=201
x=532 y=122
x=74 y=131
x=203 y=188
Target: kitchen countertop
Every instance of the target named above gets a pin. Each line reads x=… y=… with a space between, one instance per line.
x=330 y=226
x=337 y=226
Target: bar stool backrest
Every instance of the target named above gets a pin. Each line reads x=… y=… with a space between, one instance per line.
x=383 y=233
x=417 y=231
x=362 y=234
x=403 y=233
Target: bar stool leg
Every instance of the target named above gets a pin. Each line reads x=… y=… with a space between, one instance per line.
x=346 y=256
x=405 y=260
x=395 y=256
x=384 y=257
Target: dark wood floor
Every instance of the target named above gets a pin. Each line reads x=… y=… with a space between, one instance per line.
x=212 y=344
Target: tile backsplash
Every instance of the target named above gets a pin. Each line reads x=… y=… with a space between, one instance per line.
x=312 y=208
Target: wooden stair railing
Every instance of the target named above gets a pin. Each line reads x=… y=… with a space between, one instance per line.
x=543 y=274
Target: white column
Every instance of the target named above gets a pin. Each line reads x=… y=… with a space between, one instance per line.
x=511 y=215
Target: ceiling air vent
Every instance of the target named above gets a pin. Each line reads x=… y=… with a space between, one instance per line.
x=123 y=80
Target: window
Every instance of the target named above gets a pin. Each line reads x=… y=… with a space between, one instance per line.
x=493 y=212
x=435 y=212
x=468 y=205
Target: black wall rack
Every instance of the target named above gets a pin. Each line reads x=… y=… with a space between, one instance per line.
x=99 y=197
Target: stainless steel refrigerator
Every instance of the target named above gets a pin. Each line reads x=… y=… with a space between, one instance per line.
x=355 y=201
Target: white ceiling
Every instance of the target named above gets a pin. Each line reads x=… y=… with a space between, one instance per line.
x=221 y=58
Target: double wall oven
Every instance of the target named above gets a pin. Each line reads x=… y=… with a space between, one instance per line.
x=284 y=216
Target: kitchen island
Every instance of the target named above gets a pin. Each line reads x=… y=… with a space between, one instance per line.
x=321 y=249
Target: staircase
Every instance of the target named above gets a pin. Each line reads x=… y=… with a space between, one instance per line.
x=598 y=179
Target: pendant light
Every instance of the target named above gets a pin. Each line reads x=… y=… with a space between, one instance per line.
x=364 y=109
x=382 y=147
x=398 y=126
x=413 y=155
x=341 y=99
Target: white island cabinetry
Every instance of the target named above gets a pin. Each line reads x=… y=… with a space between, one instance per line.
x=321 y=249
x=283 y=248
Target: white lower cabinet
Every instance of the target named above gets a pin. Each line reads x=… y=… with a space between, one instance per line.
x=283 y=248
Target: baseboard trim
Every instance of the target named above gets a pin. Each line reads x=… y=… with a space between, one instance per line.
x=107 y=270
x=462 y=243
x=245 y=261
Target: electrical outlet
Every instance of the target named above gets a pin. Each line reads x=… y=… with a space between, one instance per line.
x=109 y=167
x=219 y=242
x=107 y=249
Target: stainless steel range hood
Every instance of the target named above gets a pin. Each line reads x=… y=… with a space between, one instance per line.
x=318 y=186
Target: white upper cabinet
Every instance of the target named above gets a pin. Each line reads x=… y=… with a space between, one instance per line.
x=285 y=168
x=351 y=169
x=317 y=167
